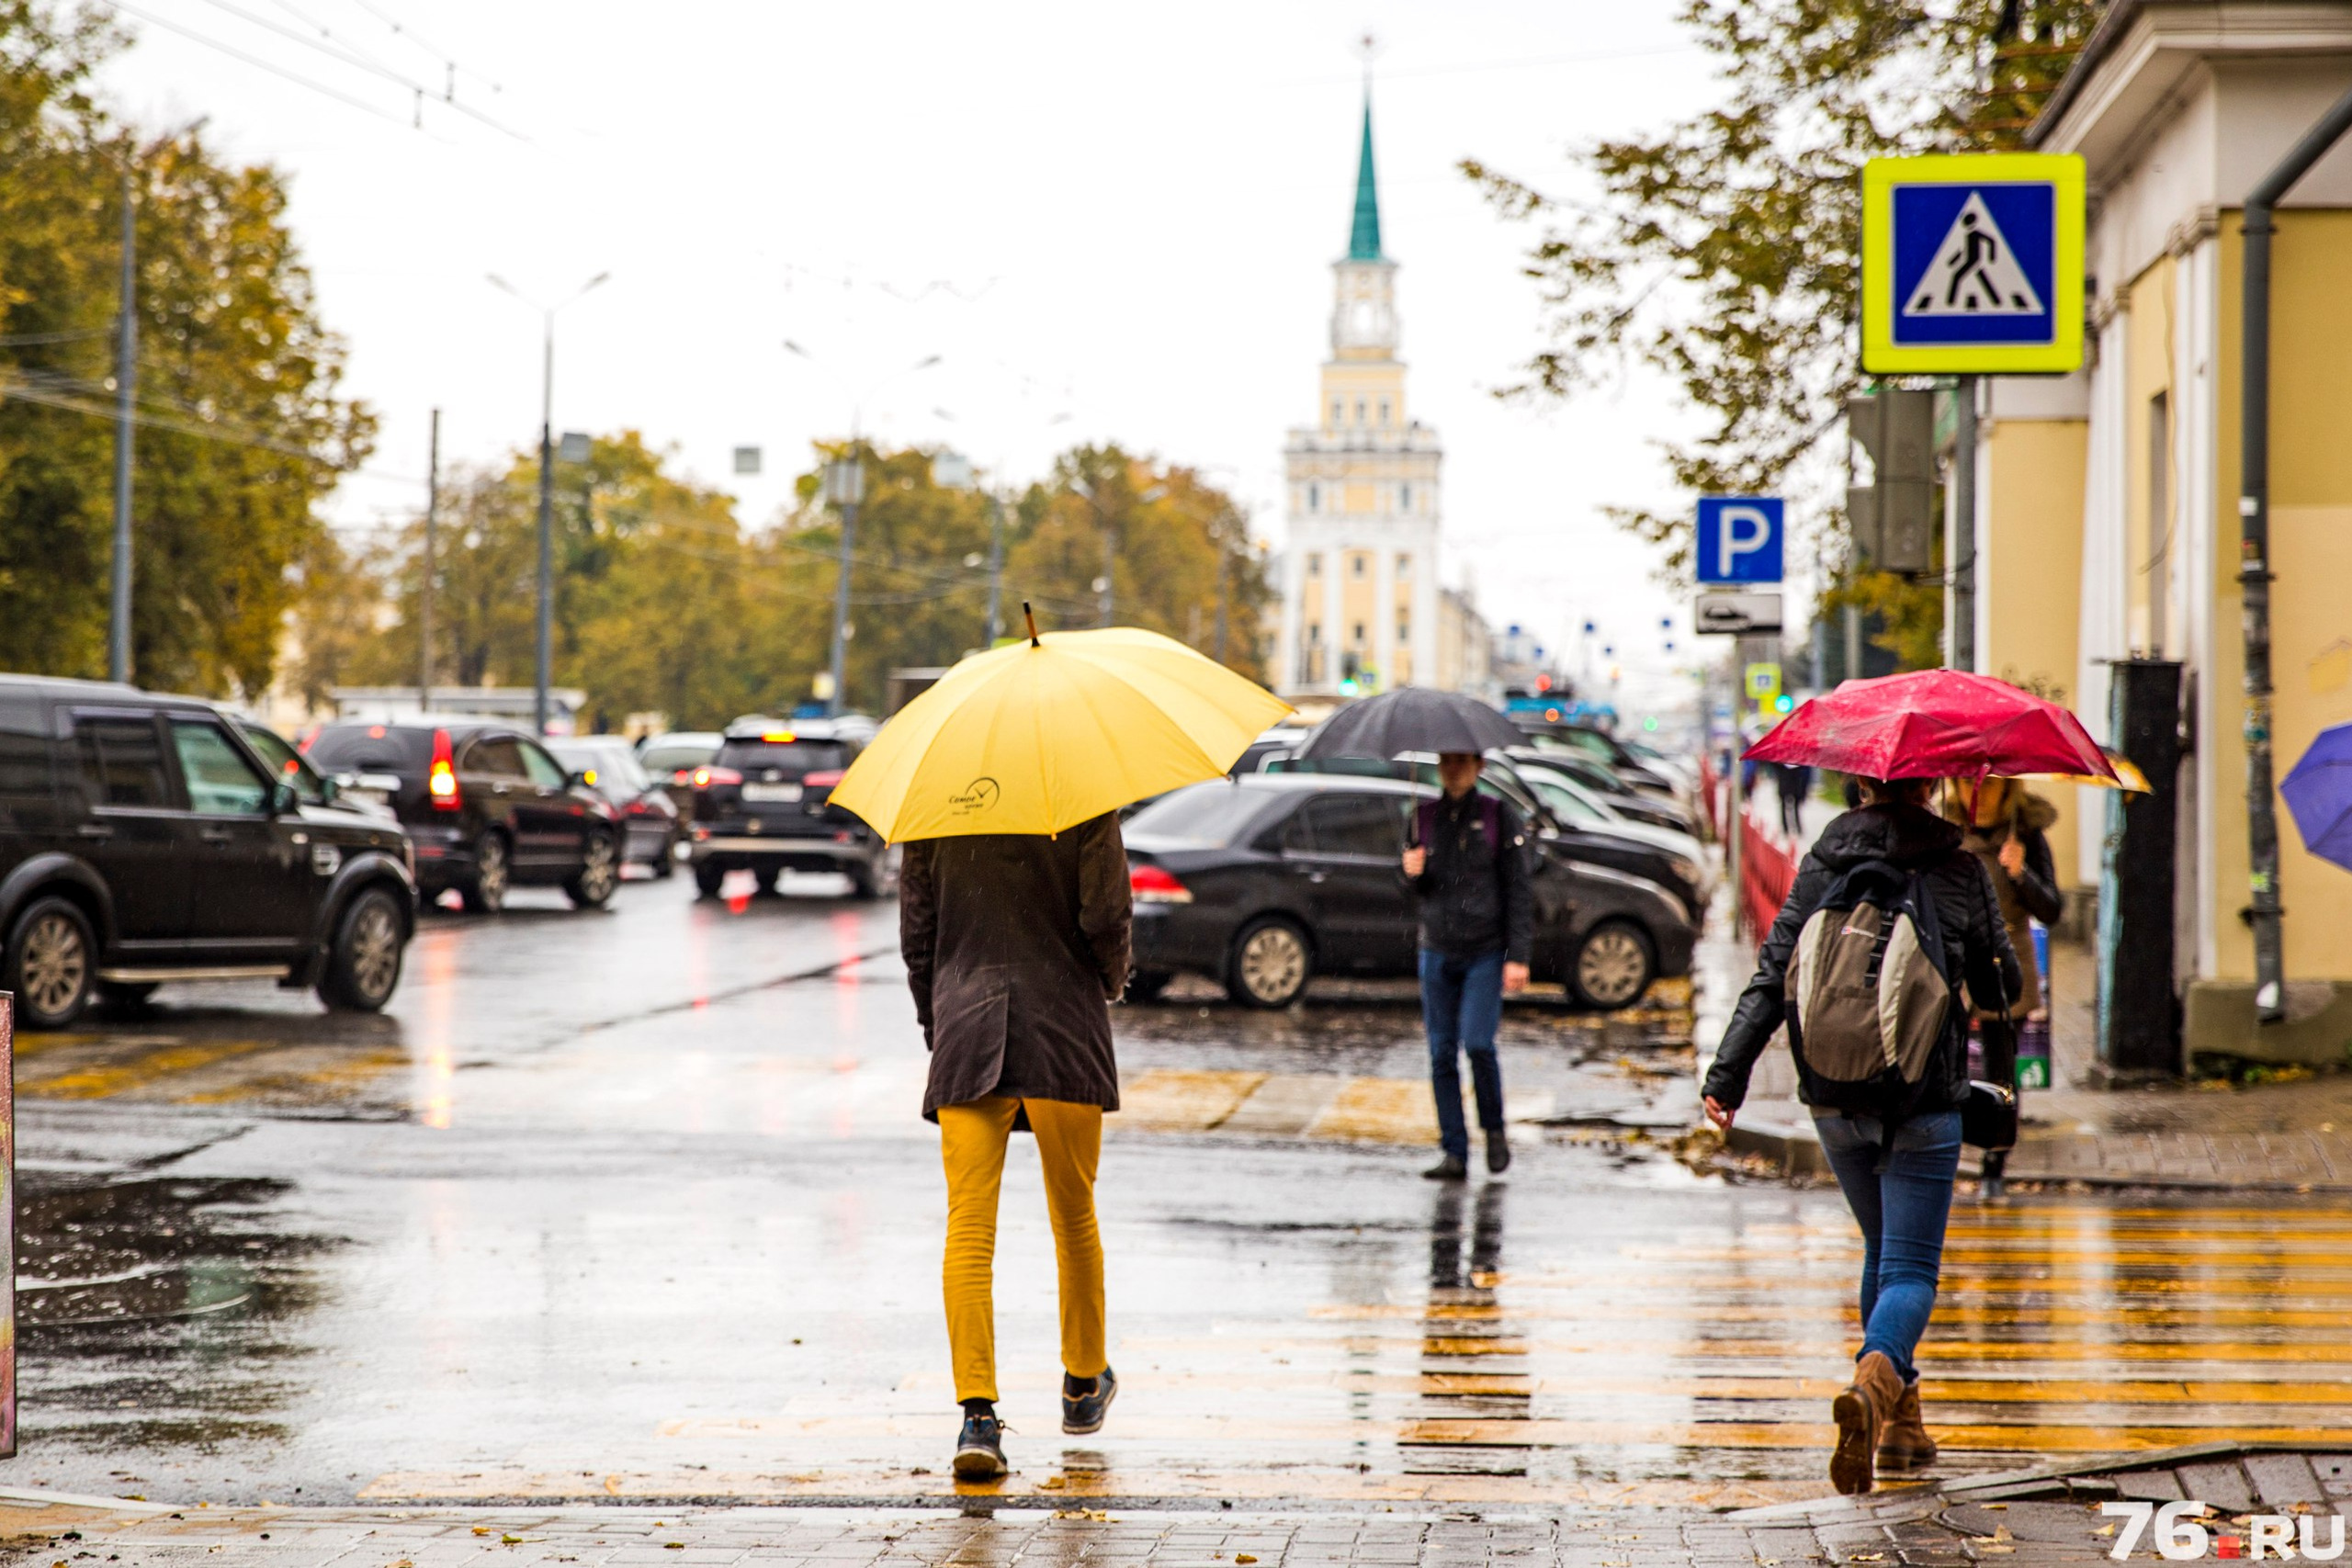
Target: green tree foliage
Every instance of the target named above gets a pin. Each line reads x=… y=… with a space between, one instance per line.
x=1170 y=529
x=1726 y=250
x=241 y=432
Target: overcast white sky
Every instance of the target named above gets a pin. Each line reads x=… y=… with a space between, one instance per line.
x=1118 y=217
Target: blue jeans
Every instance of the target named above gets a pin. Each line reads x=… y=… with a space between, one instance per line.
x=1462 y=1006
x=1901 y=1197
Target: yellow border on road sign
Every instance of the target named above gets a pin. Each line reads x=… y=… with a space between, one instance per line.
x=2062 y=171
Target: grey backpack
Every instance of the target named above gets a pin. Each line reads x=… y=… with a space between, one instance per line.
x=1868 y=997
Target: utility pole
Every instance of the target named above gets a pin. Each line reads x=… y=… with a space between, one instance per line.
x=424 y=614
x=1110 y=561
x=1224 y=565
x=547 y=531
x=844 y=487
x=996 y=567
x=126 y=381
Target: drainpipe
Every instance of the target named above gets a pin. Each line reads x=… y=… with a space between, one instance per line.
x=2253 y=553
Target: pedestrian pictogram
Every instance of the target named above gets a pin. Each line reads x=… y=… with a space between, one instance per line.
x=1972 y=265
x=1975 y=272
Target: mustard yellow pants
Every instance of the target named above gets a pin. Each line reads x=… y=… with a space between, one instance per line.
x=971 y=1145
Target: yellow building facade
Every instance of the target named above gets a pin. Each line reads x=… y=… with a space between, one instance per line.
x=2107 y=522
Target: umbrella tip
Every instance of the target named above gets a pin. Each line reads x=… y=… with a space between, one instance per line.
x=1030 y=616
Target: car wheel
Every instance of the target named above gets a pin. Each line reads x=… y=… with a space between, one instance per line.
x=52 y=964
x=1613 y=964
x=708 y=879
x=666 y=864
x=765 y=882
x=364 y=965
x=865 y=880
x=591 y=886
x=1146 y=984
x=1270 y=965
x=486 y=894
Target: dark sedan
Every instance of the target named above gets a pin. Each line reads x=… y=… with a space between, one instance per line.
x=1264 y=881
x=1641 y=805
x=650 y=827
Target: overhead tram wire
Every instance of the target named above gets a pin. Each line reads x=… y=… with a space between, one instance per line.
x=448 y=61
x=299 y=79
x=79 y=403
x=344 y=55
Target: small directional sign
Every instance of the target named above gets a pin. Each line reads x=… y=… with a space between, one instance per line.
x=1734 y=614
x=1972 y=265
x=1739 y=539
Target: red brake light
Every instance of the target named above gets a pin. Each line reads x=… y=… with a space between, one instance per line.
x=825 y=780
x=705 y=777
x=1150 y=885
x=441 y=778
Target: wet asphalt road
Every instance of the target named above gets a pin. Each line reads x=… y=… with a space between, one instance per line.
x=638 y=1205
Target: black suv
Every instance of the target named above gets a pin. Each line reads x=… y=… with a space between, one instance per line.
x=763 y=805
x=485 y=804
x=142 y=840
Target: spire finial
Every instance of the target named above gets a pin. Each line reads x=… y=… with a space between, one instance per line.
x=1364 y=238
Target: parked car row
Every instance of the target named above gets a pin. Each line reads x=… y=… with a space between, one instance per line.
x=1265 y=880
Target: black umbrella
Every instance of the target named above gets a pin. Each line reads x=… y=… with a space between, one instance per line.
x=1411 y=718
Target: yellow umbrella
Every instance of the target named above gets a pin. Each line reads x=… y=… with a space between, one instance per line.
x=1045 y=734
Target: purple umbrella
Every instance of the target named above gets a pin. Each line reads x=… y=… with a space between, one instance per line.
x=2319 y=792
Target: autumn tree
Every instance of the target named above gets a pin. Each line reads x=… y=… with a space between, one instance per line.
x=241 y=429
x=1725 y=252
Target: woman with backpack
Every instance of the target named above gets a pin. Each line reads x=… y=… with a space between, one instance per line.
x=1889 y=918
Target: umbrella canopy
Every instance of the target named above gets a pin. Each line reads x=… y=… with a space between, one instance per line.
x=1934 y=724
x=1044 y=734
x=1411 y=718
x=2319 y=792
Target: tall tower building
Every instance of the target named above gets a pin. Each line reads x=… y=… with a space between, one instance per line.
x=1360 y=594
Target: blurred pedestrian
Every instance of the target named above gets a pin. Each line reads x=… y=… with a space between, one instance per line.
x=1468 y=863
x=1907 y=915
x=1794 y=782
x=1015 y=943
x=2006 y=825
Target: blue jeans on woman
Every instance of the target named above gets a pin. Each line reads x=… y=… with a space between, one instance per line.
x=1900 y=1191
x=1462 y=1006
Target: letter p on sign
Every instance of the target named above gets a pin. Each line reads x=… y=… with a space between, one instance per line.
x=1740 y=538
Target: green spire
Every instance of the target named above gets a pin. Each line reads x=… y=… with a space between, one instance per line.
x=1363 y=239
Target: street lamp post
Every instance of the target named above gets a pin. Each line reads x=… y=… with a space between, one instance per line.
x=544 y=636
x=845 y=488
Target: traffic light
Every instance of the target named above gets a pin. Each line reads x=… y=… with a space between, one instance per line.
x=1894 y=518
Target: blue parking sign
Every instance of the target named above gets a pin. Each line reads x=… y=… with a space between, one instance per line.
x=1739 y=539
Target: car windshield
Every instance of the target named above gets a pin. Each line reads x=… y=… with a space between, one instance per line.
x=790 y=756
x=1566 y=801
x=670 y=756
x=365 y=748
x=1206 y=816
x=289 y=764
x=617 y=772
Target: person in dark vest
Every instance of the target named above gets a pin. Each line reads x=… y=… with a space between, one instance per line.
x=1015 y=944
x=1896 y=1172
x=1467 y=861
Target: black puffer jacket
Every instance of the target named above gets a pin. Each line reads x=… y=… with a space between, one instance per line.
x=1475 y=896
x=1977 y=944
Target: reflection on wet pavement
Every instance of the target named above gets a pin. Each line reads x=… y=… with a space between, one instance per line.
x=638 y=1205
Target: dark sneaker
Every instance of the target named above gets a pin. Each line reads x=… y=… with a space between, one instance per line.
x=979 y=1451
x=1498 y=1152
x=1083 y=1412
x=1450 y=1168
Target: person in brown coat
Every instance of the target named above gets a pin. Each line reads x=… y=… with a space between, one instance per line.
x=1015 y=946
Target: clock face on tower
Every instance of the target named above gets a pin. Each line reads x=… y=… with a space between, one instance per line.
x=1363 y=320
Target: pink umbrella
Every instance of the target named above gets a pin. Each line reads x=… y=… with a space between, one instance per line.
x=1934 y=724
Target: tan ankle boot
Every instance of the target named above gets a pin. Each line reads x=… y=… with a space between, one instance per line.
x=1904 y=1444
x=1861 y=1414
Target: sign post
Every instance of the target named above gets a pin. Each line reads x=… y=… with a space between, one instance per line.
x=1740 y=545
x=1971 y=266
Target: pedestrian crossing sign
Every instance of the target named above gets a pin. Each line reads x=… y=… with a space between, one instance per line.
x=1972 y=265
